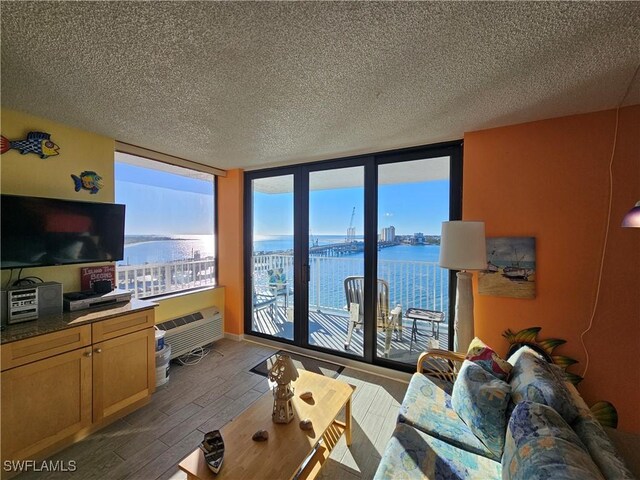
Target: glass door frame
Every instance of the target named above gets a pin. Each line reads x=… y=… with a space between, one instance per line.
x=248 y=249
x=454 y=150
x=368 y=162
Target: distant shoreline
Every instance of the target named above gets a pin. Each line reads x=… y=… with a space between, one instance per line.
x=137 y=239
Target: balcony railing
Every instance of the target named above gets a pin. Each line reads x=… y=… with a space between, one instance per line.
x=155 y=279
x=411 y=283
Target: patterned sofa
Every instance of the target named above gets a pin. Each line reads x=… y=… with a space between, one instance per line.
x=462 y=422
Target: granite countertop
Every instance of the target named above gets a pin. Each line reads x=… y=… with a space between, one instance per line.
x=53 y=323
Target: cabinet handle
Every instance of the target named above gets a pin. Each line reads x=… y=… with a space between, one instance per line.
x=88 y=354
x=98 y=350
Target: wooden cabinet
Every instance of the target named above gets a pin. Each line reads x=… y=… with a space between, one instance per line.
x=116 y=327
x=44 y=346
x=56 y=388
x=45 y=402
x=123 y=373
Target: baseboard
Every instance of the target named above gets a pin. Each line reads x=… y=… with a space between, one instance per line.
x=354 y=364
x=234 y=336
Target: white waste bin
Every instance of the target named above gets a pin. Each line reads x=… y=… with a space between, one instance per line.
x=163 y=358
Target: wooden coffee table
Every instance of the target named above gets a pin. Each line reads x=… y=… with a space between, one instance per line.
x=290 y=452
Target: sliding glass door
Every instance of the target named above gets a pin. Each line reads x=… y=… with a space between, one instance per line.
x=336 y=260
x=339 y=252
x=413 y=201
x=271 y=284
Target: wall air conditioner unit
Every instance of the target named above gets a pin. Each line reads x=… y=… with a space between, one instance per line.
x=192 y=331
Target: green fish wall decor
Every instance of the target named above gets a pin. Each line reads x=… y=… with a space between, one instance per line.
x=88 y=180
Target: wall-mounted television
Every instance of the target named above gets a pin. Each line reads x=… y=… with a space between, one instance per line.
x=38 y=232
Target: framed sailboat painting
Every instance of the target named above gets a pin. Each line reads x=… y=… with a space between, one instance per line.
x=511 y=268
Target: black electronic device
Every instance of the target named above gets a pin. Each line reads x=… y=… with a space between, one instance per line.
x=213 y=448
x=38 y=232
x=89 y=299
x=102 y=286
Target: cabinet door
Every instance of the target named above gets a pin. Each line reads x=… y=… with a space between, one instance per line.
x=123 y=373
x=45 y=402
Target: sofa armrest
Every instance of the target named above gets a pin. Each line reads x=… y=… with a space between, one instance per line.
x=441 y=364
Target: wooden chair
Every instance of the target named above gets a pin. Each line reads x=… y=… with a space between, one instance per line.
x=441 y=364
x=386 y=319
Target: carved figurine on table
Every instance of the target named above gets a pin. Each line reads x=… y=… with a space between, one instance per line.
x=283 y=372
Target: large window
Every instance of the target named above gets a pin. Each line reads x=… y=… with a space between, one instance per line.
x=169 y=226
x=342 y=255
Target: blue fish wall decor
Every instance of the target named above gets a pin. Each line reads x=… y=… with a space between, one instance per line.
x=36 y=142
x=87 y=180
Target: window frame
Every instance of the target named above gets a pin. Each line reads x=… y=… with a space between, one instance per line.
x=161 y=158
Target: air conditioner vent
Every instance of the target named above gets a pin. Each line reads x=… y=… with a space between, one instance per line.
x=191 y=331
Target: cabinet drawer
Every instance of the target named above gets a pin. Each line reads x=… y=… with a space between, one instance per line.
x=31 y=349
x=122 y=325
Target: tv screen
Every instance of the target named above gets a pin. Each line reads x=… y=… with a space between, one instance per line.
x=39 y=232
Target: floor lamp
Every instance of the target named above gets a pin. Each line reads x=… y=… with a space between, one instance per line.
x=632 y=218
x=463 y=247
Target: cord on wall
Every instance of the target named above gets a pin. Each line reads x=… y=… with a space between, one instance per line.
x=604 y=247
x=606 y=234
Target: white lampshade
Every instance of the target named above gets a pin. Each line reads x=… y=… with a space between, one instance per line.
x=463 y=246
x=632 y=218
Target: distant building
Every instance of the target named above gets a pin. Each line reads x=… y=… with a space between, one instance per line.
x=418 y=238
x=388 y=234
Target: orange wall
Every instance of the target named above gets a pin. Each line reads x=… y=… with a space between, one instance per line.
x=549 y=179
x=230 y=273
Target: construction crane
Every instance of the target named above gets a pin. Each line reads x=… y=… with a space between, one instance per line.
x=351 y=231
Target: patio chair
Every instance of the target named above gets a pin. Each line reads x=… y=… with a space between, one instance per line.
x=388 y=320
x=278 y=284
x=265 y=300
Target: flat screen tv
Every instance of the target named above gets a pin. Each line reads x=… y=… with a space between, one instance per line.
x=38 y=232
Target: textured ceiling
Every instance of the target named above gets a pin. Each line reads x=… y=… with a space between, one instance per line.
x=252 y=84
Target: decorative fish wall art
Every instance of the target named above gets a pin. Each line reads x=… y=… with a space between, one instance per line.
x=88 y=180
x=36 y=142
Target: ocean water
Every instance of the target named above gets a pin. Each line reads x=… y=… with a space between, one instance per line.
x=185 y=247
x=418 y=253
x=163 y=251
x=415 y=280
x=411 y=283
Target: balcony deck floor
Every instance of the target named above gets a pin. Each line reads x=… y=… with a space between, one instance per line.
x=329 y=330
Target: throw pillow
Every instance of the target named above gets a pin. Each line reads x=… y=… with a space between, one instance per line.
x=522 y=350
x=540 y=445
x=480 y=400
x=532 y=379
x=480 y=353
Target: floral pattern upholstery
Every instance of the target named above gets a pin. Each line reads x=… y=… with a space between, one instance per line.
x=540 y=445
x=533 y=380
x=480 y=353
x=481 y=400
x=427 y=407
x=600 y=447
x=593 y=436
x=432 y=442
x=412 y=454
